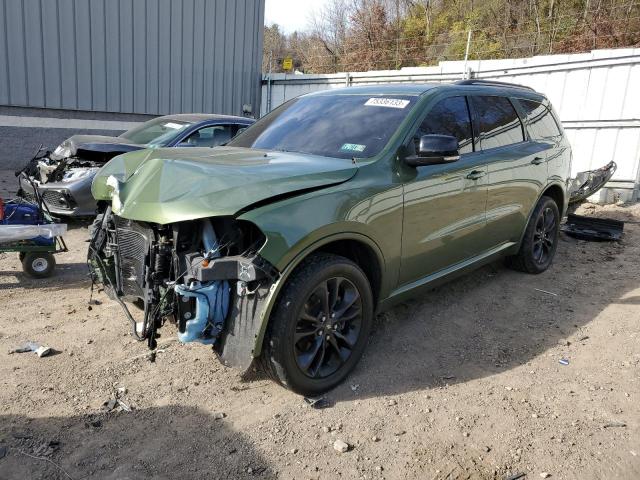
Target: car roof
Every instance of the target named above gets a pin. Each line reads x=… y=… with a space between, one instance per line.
x=382 y=89
x=202 y=117
x=416 y=89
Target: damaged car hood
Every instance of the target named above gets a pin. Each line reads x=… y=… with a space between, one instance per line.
x=172 y=185
x=100 y=145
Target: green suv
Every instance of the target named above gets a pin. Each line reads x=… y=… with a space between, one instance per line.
x=281 y=246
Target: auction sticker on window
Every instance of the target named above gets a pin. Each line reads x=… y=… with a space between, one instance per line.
x=387 y=102
x=353 y=147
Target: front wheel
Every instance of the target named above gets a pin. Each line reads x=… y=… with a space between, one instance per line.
x=320 y=325
x=540 y=239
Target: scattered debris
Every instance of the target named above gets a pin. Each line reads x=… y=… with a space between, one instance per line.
x=564 y=361
x=614 y=424
x=124 y=406
x=375 y=438
x=317 y=403
x=340 y=446
x=589 y=182
x=110 y=404
x=354 y=388
x=593 y=229
x=391 y=403
x=545 y=475
x=516 y=476
x=115 y=400
x=43 y=351
x=219 y=415
x=547 y=292
x=40 y=350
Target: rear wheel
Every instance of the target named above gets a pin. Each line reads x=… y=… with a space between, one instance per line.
x=540 y=239
x=38 y=264
x=320 y=325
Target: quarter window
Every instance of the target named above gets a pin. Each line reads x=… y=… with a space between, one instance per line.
x=540 y=122
x=449 y=117
x=497 y=122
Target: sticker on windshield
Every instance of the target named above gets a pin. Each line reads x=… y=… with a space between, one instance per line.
x=172 y=125
x=387 y=102
x=353 y=147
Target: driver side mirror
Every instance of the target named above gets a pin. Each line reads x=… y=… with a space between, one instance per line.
x=433 y=150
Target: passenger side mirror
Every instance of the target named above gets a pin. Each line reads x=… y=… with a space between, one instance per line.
x=433 y=150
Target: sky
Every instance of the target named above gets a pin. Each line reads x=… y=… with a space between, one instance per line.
x=291 y=15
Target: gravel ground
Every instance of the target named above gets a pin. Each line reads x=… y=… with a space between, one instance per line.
x=463 y=383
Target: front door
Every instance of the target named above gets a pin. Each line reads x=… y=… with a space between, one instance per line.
x=444 y=205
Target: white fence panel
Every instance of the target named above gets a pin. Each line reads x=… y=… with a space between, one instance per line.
x=596 y=95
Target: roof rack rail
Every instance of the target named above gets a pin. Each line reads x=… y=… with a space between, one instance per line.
x=489 y=83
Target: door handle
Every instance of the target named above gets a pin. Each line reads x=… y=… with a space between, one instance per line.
x=537 y=161
x=475 y=175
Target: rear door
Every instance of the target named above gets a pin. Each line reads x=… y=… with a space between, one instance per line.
x=444 y=205
x=517 y=167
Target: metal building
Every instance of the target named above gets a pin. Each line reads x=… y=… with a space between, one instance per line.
x=133 y=56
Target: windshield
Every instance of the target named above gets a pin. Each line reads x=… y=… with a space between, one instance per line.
x=157 y=132
x=340 y=125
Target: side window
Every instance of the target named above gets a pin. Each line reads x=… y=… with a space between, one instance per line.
x=449 y=117
x=540 y=122
x=209 y=136
x=497 y=122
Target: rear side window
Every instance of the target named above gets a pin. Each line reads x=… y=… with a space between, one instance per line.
x=449 y=117
x=540 y=122
x=497 y=122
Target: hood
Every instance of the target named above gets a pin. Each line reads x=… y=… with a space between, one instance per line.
x=94 y=147
x=169 y=185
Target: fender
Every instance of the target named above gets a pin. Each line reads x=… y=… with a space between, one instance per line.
x=276 y=287
x=542 y=191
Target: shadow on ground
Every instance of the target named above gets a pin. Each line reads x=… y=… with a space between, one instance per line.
x=489 y=321
x=159 y=443
x=65 y=276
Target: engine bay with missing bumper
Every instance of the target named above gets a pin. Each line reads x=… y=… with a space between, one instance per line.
x=205 y=276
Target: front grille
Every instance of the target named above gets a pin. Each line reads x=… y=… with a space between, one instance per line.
x=56 y=199
x=133 y=250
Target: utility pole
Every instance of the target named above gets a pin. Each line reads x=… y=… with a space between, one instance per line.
x=269 y=82
x=397 y=34
x=466 y=56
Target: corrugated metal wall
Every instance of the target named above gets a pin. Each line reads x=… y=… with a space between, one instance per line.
x=134 y=56
x=596 y=95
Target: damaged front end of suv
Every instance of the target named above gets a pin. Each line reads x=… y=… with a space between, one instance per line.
x=177 y=249
x=197 y=274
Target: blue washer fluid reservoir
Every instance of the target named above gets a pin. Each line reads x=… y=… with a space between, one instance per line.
x=212 y=305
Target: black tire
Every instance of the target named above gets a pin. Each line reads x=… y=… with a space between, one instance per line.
x=38 y=264
x=540 y=239
x=289 y=344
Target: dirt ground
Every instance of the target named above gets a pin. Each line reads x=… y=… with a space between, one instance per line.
x=463 y=383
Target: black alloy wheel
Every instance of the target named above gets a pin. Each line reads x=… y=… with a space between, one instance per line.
x=328 y=327
x=319 y=327
x=544 y=236
x=540 y=239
